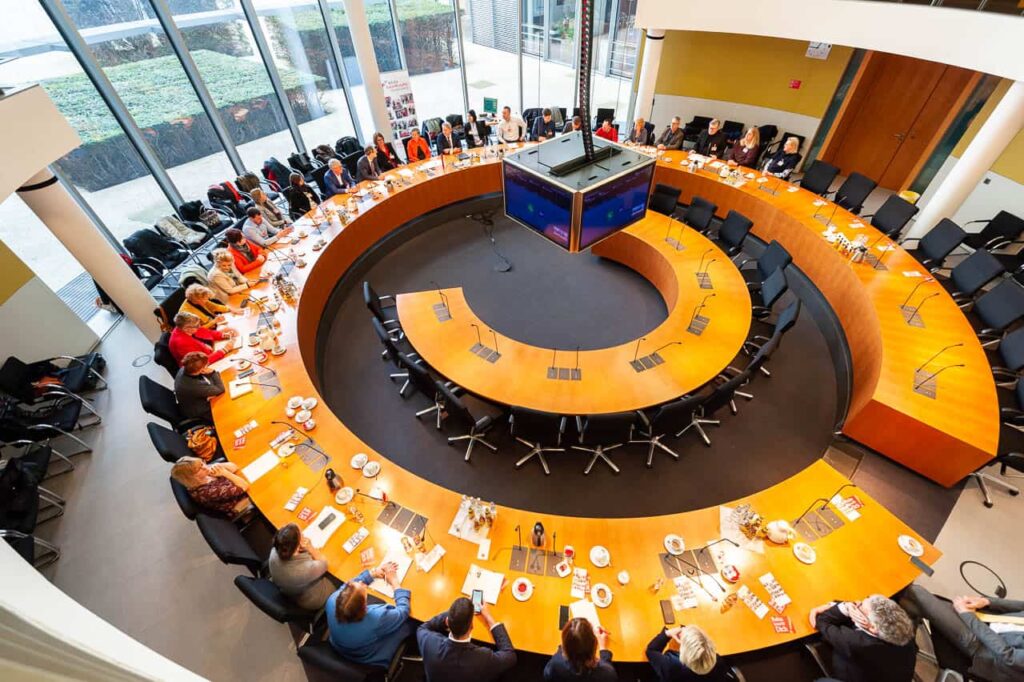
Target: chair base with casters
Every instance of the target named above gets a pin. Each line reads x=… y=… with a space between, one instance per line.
x=536 y=450
x=698 y=423
x=598 y=453
x=984 y=479
x=473 y=439
x=654 y=443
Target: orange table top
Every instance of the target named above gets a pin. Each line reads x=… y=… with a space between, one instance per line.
x=859 y=558
x=608 y=382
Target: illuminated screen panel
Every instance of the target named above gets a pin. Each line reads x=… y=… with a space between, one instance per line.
x=615 y=205
x=541 y=206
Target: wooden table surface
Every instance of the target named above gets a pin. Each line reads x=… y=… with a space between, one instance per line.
x=608 y=382
x=857 y=559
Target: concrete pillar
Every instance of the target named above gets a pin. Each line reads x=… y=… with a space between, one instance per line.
x=649 y=73
x=1005 y=121
x=359 y=27
x=48 y=199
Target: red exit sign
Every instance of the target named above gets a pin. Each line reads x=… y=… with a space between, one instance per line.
x=795 y=84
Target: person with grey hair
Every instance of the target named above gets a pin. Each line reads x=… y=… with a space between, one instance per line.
x=448 y=141
x=712 y=142
x=672 y=138
x=337 y=179
x=782 y=162
x=872 y=640
x=224 y=278
x=697 y=658
x=271 y=213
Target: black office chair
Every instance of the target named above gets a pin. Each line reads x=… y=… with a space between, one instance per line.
x=775 y=256
x=39 y=456
x=391 y=353
x=971 y=274
x=79 y=375
x=474 y=427
x=268 y=598
x=375 y=302
x=733 y=232
x=321 y=655
x=940 y=241
x=228 y=543
x=669 y=419
x=162 y=354
x=185 y=502
x=998 y=309
x=169 y=445
x=756 y=364
x=160 y=402
x=19 y=515
x=605 y=432
x=603 y=114
x=770 y=291
x=420 y=379
x=539 y=431
x=998 y=232
x=854 y=191
x=719 y=397
x=1011 y=455
x=699 y=214
x=786 y=320
x=35 y=459
x=42 y=422
x=733 y=130
x=664 y=199
x=892 y=216
x=818 y=177
x=1011 y=357
x=692 y=129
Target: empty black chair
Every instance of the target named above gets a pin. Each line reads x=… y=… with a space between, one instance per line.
x=21 y=496
x=664 y=199
x=603 y=114
x=375 y=303
x=699 y=214
x=160 y=402
x=185 y=502
x=162 y=354
x=169 y=445
x=719 y=397
x=605 y=432
x=474 y=427
x=269 y=599
x=773 y=287
x=775 y=256
x=1011 y=355
x=692 y=129
x=998 y=232
x=391 y=352
x=57 y=417
x=540 y=431
x=786 y=320
x=855 y=190
x=940 y=241
x=761 y=356
x=818 y=177
x=420 y=379
x=321 y=655
x=998 y=309
x=733 y=232
x=669 y=419
x=893 y=215
x=971 y=274
x=228 y=543
x=733 y=130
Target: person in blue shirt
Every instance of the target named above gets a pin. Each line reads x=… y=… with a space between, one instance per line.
x=368 y=633
x=543 y=127
x=337 y=179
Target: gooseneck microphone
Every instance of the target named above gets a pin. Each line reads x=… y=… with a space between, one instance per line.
x=700 y=306
x=914 y=290
x=554 y=354
x=495 y=336
x=702 y=257
x=929 y=360
x=707 y=266
x=444 y=299
x=477 y=328
x=935 y=374
x=920 y=305
x=637 y=351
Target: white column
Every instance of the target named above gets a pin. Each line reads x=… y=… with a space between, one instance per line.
x=649 y=73
x=1006 y=120
x=359 y=27
x=58 y=211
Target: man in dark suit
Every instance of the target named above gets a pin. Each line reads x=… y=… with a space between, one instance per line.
x=447 y=141
x=712 y=142
x=366 y=167
x=337 y=179
x=572 y=126
x=672 y=138
x=543 y=127
x=872 y=640
x=448 y=653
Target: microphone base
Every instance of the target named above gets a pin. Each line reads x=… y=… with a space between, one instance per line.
x=441 y=312
x=675 y=243
x=565 y=373
x=482 y=351
x=825 y=219
x=923 y=386
x=704 y=280
x=698 y=324
x=646 y=362
x=517 y=562
x=912 y=317
x=765 y=188
x=874 y=261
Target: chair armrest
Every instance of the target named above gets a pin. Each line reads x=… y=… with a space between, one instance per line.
x=907 y=239
x=997 y=243
x=975 y=222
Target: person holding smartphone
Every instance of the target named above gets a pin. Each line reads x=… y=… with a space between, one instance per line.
x=368 y=633
x=449 y=654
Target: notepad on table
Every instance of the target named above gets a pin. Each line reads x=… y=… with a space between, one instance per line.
x=486 y=581
x=584 y=608
x=239 y=387
x=404 y=562
x=261 y=465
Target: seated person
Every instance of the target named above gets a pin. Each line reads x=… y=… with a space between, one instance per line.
x=224 y=278
x=543 y=127
x=199 y=301
x=712 y=142
x=448 y=142
x=744 y=152
x=872 y=640
x=366 y=166
x=584 y=655
x=195 y=385
x=386 y=157
x=449 y=655
x=299 y=569
x=672 y=137
x=188 y=336
x=215 y=488
x=301 y=197
x=259 y=231
x=697 y=658
x=368 y=634
x=417 y=149
x=337 y=179
x=607 y=131
x=247 y=255
x=510 y=128
x=572 y=126
x=996 y=649
x=271 y=213
x=639 y=135
x=781 y=163
x=477 y=132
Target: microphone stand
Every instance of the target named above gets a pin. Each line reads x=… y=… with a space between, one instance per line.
x=495 y=356
x=914 y=290
x=919 y=306
x=929 y=360
x=634 y=363
x=935 y=374
x=577 y=373
x=657 y=358
x=309 y=443
x=700 y=265
x=553 y=370
x=703 y=278
x=698 y=324
x=479 y=344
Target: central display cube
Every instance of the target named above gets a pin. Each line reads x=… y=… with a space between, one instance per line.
x=551 y=189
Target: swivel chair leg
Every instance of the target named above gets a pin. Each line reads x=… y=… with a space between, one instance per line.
x=473 y=439
x=536 y=450
x=984 y=479
x=654 y=443
x=598 y=453
x=697 y=424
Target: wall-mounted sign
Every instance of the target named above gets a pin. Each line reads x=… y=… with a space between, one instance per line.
x=795 y=84
x=818 y=50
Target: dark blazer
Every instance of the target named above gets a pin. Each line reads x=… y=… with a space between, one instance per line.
x=301 y=200
x=672 y=140
x=447 y=661
x=443 y=145
x=711 y=145
x=384 y=163
x=333 y=186
x=860 y=657
x=483 y=130
x=668 y=667
x=193 y=394
x=559 y=670
x=568 y=126
x=641 y=137
x=366 y=171
x=542 y=128
x=781 y=164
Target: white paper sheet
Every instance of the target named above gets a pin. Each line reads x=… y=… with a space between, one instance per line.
x=319 y=536
x=403 y=560
x=239 y=387
x=261 y=465
x=481 y=579
x=429 y=560
x=584 y=608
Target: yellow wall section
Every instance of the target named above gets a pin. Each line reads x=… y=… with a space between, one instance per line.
x=13 y=273
x=1011 y=163
x=751 y=70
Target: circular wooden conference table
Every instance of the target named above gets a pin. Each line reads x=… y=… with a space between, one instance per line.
x=858 y=558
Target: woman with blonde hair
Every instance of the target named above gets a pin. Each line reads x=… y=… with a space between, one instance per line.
x=216 y=488
x=224 y=278
x=200 y=302
x=271 y=213
x=746 y=149
x=697 y=658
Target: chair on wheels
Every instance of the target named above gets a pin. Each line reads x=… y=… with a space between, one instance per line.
x=818 y=177
x=667 y=420
x=761 y=356
x=162 y=354
x=855 y=190
x=420 y=379
x=228 y=543
x=998 y=232
x=268 y=598
x=775 y=256
x=892 y=216
x=787 y=318
x=185 y=502
x=375 y=303
x=160 y=402
x=540 y=431
x=321 y=655
x=719 y=397
x=998 y=309
x=605 y=432
x=699 y=214
x=733 y=232
x=391 y=353
x=475 y=427
x=664 y=199
x=940 y=241
x=1013 y=460
x=171 y=446
x=770 y=291
x=971 y=274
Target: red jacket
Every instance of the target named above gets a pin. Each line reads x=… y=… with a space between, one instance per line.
x=421 y=145
x=241 y=263
x=612 y=134
x=181 y=344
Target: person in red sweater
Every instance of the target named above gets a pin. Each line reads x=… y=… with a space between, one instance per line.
x=417 y=148
x=189 y=336
x=607 y=131
x=248 y=256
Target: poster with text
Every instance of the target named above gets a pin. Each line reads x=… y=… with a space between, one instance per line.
x=398 y=99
